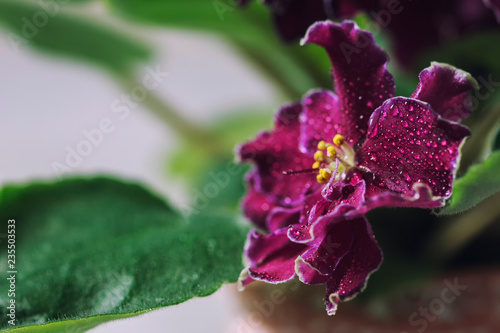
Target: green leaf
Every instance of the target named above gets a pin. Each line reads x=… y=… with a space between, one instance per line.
x=482 y=142
x=480 y=182
x=249 y=29
x=59 y=32
x=88 y=251
x=235 y=128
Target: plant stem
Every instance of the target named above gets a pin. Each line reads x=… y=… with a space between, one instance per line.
x=184 y=128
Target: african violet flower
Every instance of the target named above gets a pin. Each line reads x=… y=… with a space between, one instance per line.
x=334 y=156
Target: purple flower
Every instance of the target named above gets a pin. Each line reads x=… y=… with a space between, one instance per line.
x=334 y=156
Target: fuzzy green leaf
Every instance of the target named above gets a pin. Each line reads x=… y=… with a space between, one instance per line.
x=88 y=251
x=480 y=182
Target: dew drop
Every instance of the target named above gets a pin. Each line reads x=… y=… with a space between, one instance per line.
x=407 y=176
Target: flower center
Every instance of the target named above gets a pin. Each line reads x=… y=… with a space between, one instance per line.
x=332 y=159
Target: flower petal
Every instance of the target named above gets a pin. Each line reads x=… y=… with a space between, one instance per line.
x=447 y=89
x=321 y=119
x=421 y=197
x=308 y=274
x=282 y=218
x=276 y=152
x=344 y=200
x=256 y=205
x=362 y=81
x=352 y=272
x=271 y=258
x=333 y=239
x=409 y=143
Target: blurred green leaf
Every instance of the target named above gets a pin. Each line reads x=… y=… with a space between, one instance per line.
x=192 y=161
x=249 y=29
x=54 y=30
x=482 y=141
x=87 y=248
x=480 y=182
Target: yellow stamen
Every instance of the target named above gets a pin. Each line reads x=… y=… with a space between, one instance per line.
x=321 y=180
x=319 y=156
x=338 y=140
x=331 y=152
x=316 y=165
x=322 y=145
x=325 y=174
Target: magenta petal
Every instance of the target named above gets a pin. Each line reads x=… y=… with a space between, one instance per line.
x=271 y=258
x=362 y=81
x=409 y=143
x=447 y=89
x=421 y=198
x=244 y=280
x=308 y=274
x=343 y=200
x=342 y=193
x=320 y=120
x=256 y=205
x=276 y=152
x=282 y=218
x=352 y=272
x=333 y=238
